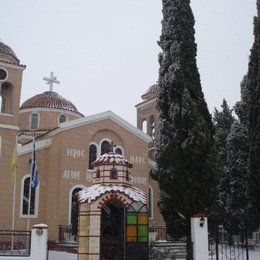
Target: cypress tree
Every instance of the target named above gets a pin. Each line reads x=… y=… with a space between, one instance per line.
x=184 y=143
x=253 y=77
x=233 y=182
x=222 y=121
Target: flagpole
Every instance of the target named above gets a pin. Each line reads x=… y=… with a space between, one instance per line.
x=30 y=189
x=14 y=188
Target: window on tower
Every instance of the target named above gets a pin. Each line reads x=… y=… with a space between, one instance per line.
x=113 y=174
x=34 y=121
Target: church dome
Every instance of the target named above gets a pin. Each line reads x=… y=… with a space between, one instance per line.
x=49 y=99
x=7 y=52
x=151 y=92
x=112 y=158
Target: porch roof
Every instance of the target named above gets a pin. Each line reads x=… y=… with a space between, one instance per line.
x=97 y=190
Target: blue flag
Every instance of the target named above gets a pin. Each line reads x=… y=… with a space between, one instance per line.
x=34 y=169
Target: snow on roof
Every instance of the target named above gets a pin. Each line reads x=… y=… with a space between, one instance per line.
x=112 y=159
x=95 y=191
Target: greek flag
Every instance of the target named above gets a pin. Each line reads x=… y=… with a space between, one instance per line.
x=34 y=169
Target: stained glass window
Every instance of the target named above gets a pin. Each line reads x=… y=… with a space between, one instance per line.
x=137 y=222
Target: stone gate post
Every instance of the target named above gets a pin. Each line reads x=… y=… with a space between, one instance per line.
x=199 y=236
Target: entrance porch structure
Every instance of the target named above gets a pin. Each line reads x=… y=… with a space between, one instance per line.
x=113 y=215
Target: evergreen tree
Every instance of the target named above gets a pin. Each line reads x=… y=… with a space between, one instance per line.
x=242 y=107
x=253 y=91
x=185 y=140
x=222 y=121
x=233 y=183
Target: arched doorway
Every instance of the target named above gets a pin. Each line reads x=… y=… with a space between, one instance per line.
x=74 y=213
x=112 y=240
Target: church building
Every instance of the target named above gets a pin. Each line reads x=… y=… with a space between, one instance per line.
x=67 y=146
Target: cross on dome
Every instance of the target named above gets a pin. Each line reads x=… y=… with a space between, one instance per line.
x=51 y=80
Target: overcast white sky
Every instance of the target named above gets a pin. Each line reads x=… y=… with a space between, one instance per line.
x=104 y=52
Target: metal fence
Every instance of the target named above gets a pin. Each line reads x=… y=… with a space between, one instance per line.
x=15 y=243
x=167 y=250
x=66 y=235
x=224 y=245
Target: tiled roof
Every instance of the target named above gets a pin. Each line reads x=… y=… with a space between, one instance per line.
x=95 y=191
x=4 y=49
x=112 y=159
x=151 y=92
x=49 y=99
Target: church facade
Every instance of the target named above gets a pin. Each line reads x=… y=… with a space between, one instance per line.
x=66 y=144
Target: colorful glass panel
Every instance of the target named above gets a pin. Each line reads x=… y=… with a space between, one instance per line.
x=131 y=218
x=131 y=239
x=142 y=230
x=131 y=230
x=143 y=219
x=143 y=239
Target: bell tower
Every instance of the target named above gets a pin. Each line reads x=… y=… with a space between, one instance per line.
x=11 y=72
x=147 y=115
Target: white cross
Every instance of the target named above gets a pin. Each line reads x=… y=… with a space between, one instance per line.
x=51 y=80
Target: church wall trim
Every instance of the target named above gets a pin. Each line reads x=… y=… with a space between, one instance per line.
x=100 y=117
x=39 y=145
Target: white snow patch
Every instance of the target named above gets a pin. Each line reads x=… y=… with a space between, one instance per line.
x=93 y=192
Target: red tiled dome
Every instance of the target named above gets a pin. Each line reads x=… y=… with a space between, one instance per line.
x=6 y=50
x=49 y=99
x=151 y=92
x=112 y=159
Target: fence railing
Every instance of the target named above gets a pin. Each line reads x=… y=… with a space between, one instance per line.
x=66 y=235
x=15 y=243
x=224 y=245
x=159 y=232
x=167 y=250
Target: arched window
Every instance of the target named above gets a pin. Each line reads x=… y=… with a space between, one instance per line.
x=105 y=147
x=113 y=174
x=144 y=126
x=119 y=150
x=150 y=198
x=62 y=119
x=7 y=98
x=74 y=212
x=0 y=147
x=92 y=155
x=151 y=126
x=34 y=121
x=25 y=198
x=1 y=104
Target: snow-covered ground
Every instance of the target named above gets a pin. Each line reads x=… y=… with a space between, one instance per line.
x=254 y=255
x=53 y=255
